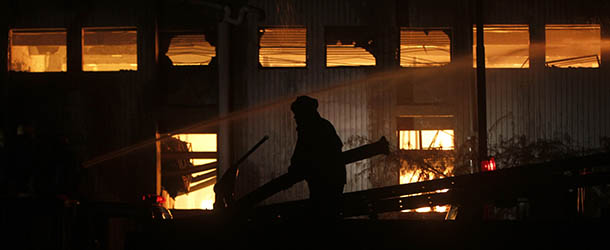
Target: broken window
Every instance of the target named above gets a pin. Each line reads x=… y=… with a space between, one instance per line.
x=283 y=47
x=190 y=50
x=202 y=194
x=424 y=47
x=426 y=139
x=110 y=49
x=573 y=45
x=349 y=46
x=506 y=46
x=37 y=50
x=427 y=151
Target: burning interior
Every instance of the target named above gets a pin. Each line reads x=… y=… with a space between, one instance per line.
x=37 y=50
x=190 y=50
x=506 y=46
x=110 y=49
x=424 y=47
x=283 y=47
x=573 y=45
x=197 y=192
x=348 y=46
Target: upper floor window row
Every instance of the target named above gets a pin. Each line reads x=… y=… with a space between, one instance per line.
x=45 y=50
x=566 y=46
x=115 y=49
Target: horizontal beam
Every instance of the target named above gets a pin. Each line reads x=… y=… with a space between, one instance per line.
x=287 y=180
x=189 y=155
x=199 y=168
x=203 y=185
x=524 y=181
x=203 y=176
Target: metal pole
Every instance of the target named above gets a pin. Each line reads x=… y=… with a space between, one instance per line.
x=481 y=88
x=224 y=153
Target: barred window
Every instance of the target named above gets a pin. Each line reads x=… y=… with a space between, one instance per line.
x=573 y=45
x=424 y=47
x=349 y=46
x=282 y=47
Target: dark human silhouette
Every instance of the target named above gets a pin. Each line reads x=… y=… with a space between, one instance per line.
x=317 y=158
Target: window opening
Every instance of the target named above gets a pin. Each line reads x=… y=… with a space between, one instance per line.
x=427 y=152
x=506 y=46
x=424 y=48
x=426 y=139
x=190 y=50
x=37 y=50
x=572 y=45
x=110 y=49
x=349 y=46
x=202 y=198
x=283 y=47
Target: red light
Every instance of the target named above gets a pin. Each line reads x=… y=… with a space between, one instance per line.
x=488 y=165
x=154 y=198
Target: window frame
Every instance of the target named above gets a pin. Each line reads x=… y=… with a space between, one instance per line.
x=407 y=28
x=33 y=29
x=258 y=47
x=529 y=46
x=599 y=59
x=109 y=28
x=425 y=122
x=347 y=28
x=176 y=34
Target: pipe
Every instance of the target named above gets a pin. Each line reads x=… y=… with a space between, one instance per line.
x=243 y=11
x=481 y=86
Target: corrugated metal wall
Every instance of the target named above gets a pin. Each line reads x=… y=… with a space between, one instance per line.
x=562 y=103
x=98 y=111
x=341 y=96
x=537 y=103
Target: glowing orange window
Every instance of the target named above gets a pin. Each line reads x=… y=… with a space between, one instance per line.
x=349 y=46
x=573 y=45
x=506 y=46
x=37 y=50
x=201 y=195
x=190 y=50
x=424 y=48
x=283 y=47
x=426 y=139
x=110 y=49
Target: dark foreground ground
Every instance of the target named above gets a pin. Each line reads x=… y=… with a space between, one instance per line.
x=374 y=234
x=38 y=224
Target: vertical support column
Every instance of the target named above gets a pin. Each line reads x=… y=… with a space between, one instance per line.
x=537 y=41
x=4 y=47
x=605 y=47
x=464 y=87
x=481 y=85
x=223 y=139
x=144 y=124
x=74 y=42
x=158 y=164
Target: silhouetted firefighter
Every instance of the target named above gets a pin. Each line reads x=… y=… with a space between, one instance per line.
x=317 y=158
